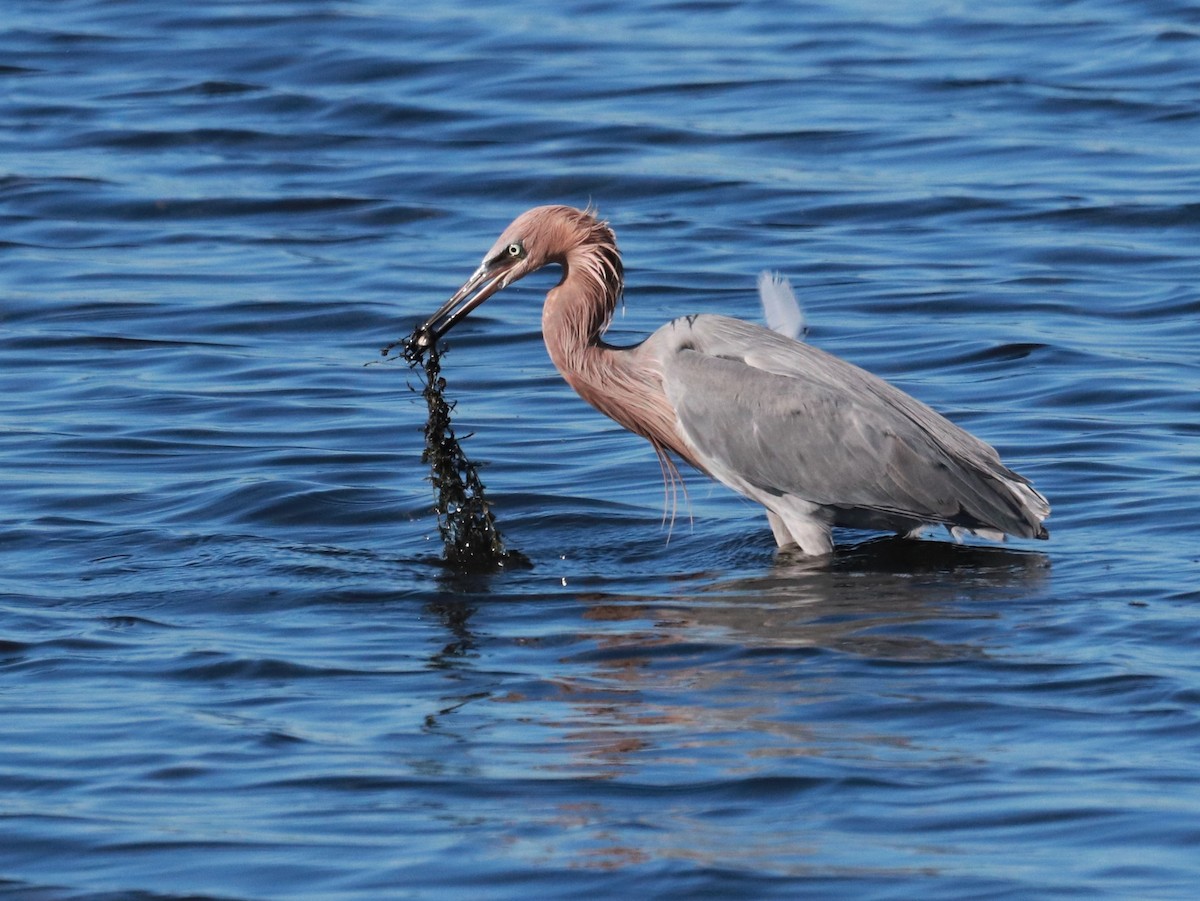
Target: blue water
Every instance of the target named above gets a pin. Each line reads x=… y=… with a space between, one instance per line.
x=230 y=664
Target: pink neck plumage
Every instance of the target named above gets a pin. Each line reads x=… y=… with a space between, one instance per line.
x=614 y=380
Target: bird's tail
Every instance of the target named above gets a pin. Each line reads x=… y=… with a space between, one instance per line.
x=1034 y=503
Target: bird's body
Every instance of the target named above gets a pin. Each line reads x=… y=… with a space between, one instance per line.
x=817 y=441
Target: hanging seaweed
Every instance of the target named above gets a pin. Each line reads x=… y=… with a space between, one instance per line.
x=470 y=538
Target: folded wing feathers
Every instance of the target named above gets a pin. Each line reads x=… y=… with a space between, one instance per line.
x=928 y=464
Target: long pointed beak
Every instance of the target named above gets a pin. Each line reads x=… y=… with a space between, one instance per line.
x=482 y=284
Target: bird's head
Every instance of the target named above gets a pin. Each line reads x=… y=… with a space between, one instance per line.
x=542 y=235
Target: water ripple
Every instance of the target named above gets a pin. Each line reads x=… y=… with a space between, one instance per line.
x=231 y=663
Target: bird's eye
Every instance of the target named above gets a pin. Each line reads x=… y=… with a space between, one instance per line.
x=516 y=250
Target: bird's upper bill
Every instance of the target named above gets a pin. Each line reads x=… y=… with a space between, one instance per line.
x=483 y=283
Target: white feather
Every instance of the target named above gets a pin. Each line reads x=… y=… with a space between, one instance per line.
x=780 y=305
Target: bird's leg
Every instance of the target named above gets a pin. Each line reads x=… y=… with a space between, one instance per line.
x=809 y=533
x=782 y=536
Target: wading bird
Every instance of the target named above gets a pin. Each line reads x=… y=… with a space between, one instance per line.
x=814 y=439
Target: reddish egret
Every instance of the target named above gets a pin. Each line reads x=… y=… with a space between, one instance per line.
x=814 y=439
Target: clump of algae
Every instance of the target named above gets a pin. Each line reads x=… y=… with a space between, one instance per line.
x=471 y=539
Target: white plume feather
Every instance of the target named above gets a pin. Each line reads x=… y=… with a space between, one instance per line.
x=780 y=305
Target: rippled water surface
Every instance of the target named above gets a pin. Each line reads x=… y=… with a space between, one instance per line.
x=232 y=666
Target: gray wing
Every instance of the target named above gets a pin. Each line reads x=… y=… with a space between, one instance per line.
x=791 y=419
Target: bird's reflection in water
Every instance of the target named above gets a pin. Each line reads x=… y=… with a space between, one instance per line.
x=744 y=656
x=804 y=671
x=843 y=604
x=806 y=601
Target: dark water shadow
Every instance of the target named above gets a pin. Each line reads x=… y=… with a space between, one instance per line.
x=891 y=553
x=454 y=616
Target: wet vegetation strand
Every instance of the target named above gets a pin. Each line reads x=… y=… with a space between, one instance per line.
x=470 y=537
